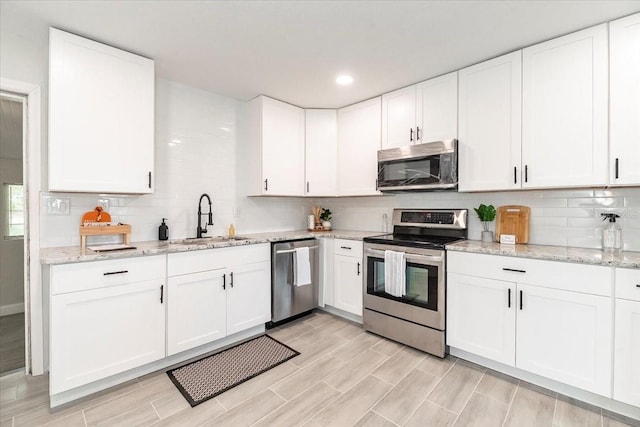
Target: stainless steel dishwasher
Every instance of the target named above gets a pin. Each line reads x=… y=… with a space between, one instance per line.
x=287 y=299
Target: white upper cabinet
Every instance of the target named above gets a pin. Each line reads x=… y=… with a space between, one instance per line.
x=321 y=152
x=421 y=113
x=490 y=124
x=101 y=117
x=399 y=117
x=437 y=109
x=564 y=111
x=358 y=145
x=275 y=166
x=624 y=84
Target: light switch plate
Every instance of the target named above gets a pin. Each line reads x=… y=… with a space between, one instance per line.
x=58 y=205
x=104 y=203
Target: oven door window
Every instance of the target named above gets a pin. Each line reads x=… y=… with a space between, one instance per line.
x=421 y=283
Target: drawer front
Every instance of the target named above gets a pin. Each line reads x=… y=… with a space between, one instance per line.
x=99 y=274
x=628 y=284
x=211 y=259
x=352 y=248
x=588 y=279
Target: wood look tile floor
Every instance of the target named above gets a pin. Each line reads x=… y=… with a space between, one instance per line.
x=11 y=342
x=344 y=377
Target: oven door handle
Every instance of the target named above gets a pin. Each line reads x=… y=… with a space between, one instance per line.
x=407 y=255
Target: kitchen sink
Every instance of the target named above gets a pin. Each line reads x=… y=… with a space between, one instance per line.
x=206 y=240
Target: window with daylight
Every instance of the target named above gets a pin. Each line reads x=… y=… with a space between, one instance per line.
x=15 y=210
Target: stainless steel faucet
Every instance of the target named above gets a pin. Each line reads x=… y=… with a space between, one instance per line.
x=201 y=230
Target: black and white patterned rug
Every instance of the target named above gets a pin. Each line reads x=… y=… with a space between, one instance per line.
x=208 y=377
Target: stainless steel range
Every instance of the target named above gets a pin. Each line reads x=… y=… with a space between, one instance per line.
x=412 y=312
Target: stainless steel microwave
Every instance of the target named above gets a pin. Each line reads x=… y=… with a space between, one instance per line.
x=422 y=167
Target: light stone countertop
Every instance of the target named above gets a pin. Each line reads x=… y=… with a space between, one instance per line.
x=625 y=259
x=73 y=254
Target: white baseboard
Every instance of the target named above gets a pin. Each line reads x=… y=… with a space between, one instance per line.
x=344 y=314
x=6 y=310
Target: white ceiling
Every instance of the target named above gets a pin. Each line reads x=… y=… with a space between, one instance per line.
x=293 y=50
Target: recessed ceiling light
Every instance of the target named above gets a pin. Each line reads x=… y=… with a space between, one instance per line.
x=344 y=80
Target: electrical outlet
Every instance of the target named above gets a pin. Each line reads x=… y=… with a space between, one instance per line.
x=104 y=203
x=58 y=205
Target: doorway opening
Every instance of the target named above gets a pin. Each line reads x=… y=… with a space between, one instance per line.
x=12 y=232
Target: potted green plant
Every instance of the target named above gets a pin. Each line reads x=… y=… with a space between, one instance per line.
x=325 y=217
x=486 y=215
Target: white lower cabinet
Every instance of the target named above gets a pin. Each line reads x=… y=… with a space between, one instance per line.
x=196 y=310
x=215 y=293
x=565 y=336
x=347 y=278
x=481 y=318
x=626 y=368
x=101 y=332
x=248 y=296
x=549 y=318
x=108 y=317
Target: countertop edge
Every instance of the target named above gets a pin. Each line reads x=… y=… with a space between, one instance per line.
x=625 y=259
x=73 y=254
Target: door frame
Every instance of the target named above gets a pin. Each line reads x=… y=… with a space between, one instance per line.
x=32 y=179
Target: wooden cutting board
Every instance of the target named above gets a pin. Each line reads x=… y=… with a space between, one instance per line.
x=513 y=219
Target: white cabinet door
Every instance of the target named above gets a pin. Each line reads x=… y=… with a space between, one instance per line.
x=321 y=152
x=348 y=284
x=481 y=317
x=565 y=336
x=358 y=145
x=626 y=383
x=248 y=296
x=564 y=110
x=437 y=109
x=490 y=124
x=624 y=101
x=197 y=306
x=101 y=117
x=399 y=117
x=102 y=332
x=282 y=148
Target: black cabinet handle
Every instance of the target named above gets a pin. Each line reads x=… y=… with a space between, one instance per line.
x=231 y=274
x=515 y=270
x=617 y=168
x=411 y=134
x=161 y=294
x=358 y=269
x=266 y=184
x=307 y=186
x=509 y=299
x=638 y=285
x=109 y=273
x=224 y=281
x=345 y=247
x=149 y=179
x=520 y=300
x=515 y=174
x=526 y=173
x=417 y=133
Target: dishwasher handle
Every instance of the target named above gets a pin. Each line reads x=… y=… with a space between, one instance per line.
x=289 y=251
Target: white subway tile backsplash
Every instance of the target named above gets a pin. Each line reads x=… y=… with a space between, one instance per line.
x=596 y=202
